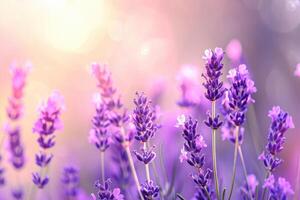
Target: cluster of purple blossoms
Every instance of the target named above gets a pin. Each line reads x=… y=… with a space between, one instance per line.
x=149 y=190
x=281 y=121
x=70 y=179
x=117 y=114
x=213 y=65
x=249 y=188
x=192 y=153
x=99 y=135
x=279 y=189
x=105 y=193
x=213 y=84
x=48 y=122
x=236 y=100
x=144 y=119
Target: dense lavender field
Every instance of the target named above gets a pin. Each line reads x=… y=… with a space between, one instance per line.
x=149 y=100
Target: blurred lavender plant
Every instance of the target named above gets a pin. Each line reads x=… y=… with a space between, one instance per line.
x=281 y=121
x=192 y=153
x=70 y=179
x=214 y=91
x=46 y=125
x=14 y=112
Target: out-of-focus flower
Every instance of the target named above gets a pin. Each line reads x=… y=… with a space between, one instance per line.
x=297 y=70
x=16 y=151
x=249 y=188
x=2 y=170
x=99 y=135
x=234 y=51
x=213 y=66
x=149 y=190
x=19 y=75
x=17 y=194
x=189 y=86
x=279 y=189
x=48 y=122
x=180 y=121
x=70 y=179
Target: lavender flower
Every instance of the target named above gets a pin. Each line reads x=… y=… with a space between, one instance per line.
x=15 y=107
x=18 y=194
x=144 y=118
x=15 y=147
x=70 y=179
x=249 y=187
x=104 y=192
x=192 y=153
x=281 y=121
x=117 y=115
x=213 y=66
x=45 y=126
x=149 y=190
x=236 y=100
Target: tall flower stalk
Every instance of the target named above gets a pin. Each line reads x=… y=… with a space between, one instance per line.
x=144 y=119
x=14 y=114
x=281 y=121
x=117 y=115
x=235 y=105
x=192 y=153
x=48 y=122
x=214 y=91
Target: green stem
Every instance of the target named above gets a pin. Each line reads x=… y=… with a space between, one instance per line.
x=131 y=164
x=207 y=194
x=236 y=145
x=244 y=170
x=102 y=167
x=265 y=189
x=214 y=151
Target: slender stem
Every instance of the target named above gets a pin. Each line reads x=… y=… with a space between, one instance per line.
x=102 y=167
x=297 y=180
x=265 y=189
x=214 y=151
x=244 y=169
x=133 y=171
x=147 y=165
x=236 y=145
x=206 y=193
x=131 y=164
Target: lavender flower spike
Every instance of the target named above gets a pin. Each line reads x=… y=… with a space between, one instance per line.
x=104 y=192
x=281 y=121
x=45 y=126
x=99 y=133
x=213 y=66
x=214 y=91
x=192 y=153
